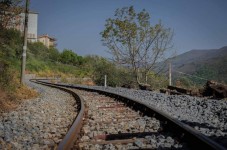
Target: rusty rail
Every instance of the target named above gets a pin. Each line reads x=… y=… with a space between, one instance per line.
x=73 y=132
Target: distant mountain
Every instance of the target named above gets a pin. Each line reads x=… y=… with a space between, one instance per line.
x=191 y=60
x=208 y=64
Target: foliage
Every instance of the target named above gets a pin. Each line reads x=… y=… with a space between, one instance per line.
x=68 y=57
x=49 y=62
x=39 y=50
x=134 y=42
x=102 y=68
x=9 y=10
x=9 y=81
x=203 y=73
x=10 y=43
x=206 y=73
x=157 y=81
x=98 y=67
x=54 y=54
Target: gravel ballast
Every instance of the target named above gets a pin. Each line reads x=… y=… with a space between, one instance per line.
x=108 y=117
x=38 y=123
x=208 y=116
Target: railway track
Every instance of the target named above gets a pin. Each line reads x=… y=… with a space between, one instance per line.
x=110 y=121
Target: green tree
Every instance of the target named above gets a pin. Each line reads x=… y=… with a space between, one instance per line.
x=103 y=67
x=10 y=43
x=54 y=54
x=68 y=57
x=134 y=42
x=38 y=50
x=98 y=67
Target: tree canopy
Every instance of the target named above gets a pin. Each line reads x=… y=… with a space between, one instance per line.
x=134 y=42
x=69 y=57
x=9 y=10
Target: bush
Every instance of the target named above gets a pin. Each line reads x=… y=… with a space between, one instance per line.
x=10 y=43
x=8 y=77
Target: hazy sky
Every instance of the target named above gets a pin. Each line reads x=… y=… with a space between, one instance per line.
x=197 y=24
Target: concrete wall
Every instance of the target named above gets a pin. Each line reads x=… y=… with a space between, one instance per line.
x=45 y=40
x=32 y=26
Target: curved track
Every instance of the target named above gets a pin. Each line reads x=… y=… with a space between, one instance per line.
x=181 y=133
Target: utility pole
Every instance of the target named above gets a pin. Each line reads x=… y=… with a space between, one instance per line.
x=105 y=81
x=170 y=74
x=23 y=64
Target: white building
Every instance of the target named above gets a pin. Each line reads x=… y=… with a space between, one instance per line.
x=18 y=23
x=47 y=40
x=32 y=25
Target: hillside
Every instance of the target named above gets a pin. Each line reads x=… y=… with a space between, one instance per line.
x=209 y=64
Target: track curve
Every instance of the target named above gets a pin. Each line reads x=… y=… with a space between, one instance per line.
x=193 y=137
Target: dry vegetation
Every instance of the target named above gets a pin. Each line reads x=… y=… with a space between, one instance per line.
x=10 y=101
x=12 y=94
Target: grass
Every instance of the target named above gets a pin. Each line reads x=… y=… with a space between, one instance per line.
x=51 y=69
x=12 y=93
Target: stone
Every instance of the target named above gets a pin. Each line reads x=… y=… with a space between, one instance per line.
x=48 y=142
x=35 y=147
x=167 y=145
x=84 y=138
x=169 y=140
x=152 y=141
x=86 y=130
x=139 y=143
x=1 y=133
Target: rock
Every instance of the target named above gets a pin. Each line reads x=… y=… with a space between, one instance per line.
x=57 y=140
x=49 y=142
x=139 y=143
x=1 y=133
x=86 y=130
x=109 y=147
x=35 y=147
x=170 y=140
x=84 y=138
x=167 y=145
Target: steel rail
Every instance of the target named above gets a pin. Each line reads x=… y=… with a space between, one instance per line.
x=73 y=132
x=187 y=133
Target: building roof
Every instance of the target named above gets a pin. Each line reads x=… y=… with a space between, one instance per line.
x=47 y=36
x=30 y=11
x=33 y=12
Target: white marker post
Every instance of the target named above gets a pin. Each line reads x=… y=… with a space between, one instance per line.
x=105 y=81
x=170 y=74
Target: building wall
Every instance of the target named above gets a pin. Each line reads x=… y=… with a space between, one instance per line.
x=44 y=40
x=47 y=40
x=32 y=26
x=51 y=43
x=17 y=22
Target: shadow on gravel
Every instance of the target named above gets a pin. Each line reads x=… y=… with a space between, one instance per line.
x=126 y=135
x=200 y=125
x=219 y=139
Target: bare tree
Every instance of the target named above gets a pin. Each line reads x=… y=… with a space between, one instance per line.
x=134 y=42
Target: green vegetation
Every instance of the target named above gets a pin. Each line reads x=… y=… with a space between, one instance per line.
x=66 y=64
x=7 y=75
x=215 y=71
x=50 y=62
